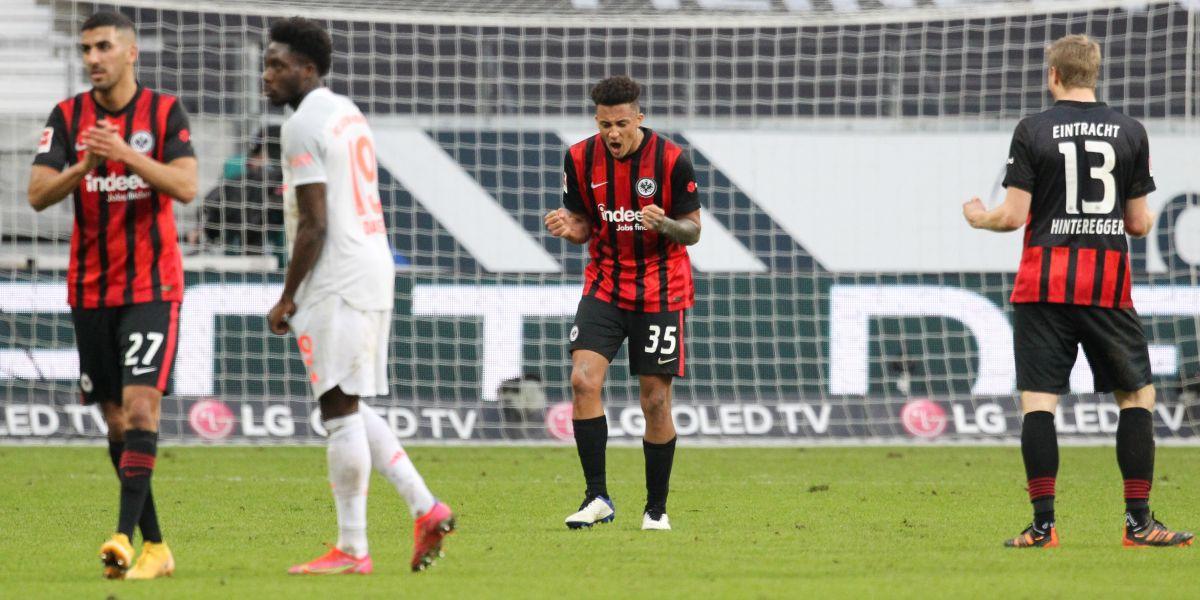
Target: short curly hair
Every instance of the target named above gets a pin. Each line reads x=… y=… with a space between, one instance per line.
x=306 y=38
x=618 y=89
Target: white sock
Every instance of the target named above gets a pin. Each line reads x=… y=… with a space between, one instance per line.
x=349 y=473
x=393 y=463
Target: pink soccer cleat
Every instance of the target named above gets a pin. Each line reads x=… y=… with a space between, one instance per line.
x=428 y=533
x=334 y=562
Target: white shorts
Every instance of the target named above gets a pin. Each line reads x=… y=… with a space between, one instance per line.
x=343 y=346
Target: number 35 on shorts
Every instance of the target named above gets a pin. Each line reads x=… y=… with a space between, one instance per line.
x=661 y=340
x=660 y=347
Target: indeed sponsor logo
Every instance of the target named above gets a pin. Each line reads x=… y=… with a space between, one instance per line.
x=114 y=183
x=119 y=188
x=626 y=219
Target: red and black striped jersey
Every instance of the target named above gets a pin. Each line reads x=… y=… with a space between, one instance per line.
x=124 y=247
x=1081 y=162
x=631 y=266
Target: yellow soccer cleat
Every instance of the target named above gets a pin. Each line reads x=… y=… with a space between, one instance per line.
x=117 y=555
x=155 y=561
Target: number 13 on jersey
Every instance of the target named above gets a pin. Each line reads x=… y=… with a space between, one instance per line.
x=1103 y=174
x=364 y=176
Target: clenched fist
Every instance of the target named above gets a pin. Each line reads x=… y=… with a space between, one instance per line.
x=653 y=217
x=558 y=222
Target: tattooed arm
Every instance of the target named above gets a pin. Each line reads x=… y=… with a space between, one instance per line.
x=684 y=230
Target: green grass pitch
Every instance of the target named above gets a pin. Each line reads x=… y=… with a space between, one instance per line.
x=915 y=522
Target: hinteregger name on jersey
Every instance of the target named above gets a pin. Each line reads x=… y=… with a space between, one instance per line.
x=626 y=219
x=120 y=188
x=1087 y=227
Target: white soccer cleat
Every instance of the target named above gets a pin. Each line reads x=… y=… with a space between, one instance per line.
x=595 y=509
x=649 y=523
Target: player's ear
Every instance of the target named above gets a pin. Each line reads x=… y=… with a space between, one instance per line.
x=129 y=39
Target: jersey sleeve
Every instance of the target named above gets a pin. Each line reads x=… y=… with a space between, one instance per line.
x=1020 y=160
x=303 y=152
x=177 y=140
x=53 y=148
x=572 y=199
x=1142 y=182
x=685 y=193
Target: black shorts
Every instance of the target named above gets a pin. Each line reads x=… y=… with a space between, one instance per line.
x=125 y=345
x=655 y=339
x=1046 y=340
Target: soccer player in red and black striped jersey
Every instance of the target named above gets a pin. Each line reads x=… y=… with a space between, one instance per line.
x=124 y=153
x=1078 y=177
x=633 y=194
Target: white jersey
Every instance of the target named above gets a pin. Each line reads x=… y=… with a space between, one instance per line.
x=327 y=140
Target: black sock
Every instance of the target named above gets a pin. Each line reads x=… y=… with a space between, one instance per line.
x=591 y=440
x=148 y=523
x=1039 y=448
x=1135 y=456
x=114 y=454
x=659 y=458
x=135 y=470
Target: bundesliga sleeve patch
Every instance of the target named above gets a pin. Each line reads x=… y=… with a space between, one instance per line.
x=46 y=140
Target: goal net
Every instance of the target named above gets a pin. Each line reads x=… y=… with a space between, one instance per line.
x=840 y=297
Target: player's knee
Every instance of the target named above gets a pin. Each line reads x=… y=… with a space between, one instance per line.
x=584 y=385
x=114 y=420
x=141 y=404
x=335 y=403
x=1141 y=398
x=1038 y=401
x=656 y=405
x=142 y=418
x=116 y=429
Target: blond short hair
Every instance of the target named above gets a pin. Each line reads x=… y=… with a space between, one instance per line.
x=1077 y=60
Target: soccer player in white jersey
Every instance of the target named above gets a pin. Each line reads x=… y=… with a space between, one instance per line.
x=338 y=293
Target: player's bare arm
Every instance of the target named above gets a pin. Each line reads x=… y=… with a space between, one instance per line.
x=48 y=186
x=570 y=226
x=1009 y=216
x=176 y=179
x=310 y=239
x=684 y=230
x=1138 y=218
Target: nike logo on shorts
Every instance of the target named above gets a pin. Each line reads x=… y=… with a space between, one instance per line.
x=663 y=362
x=142 y=370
